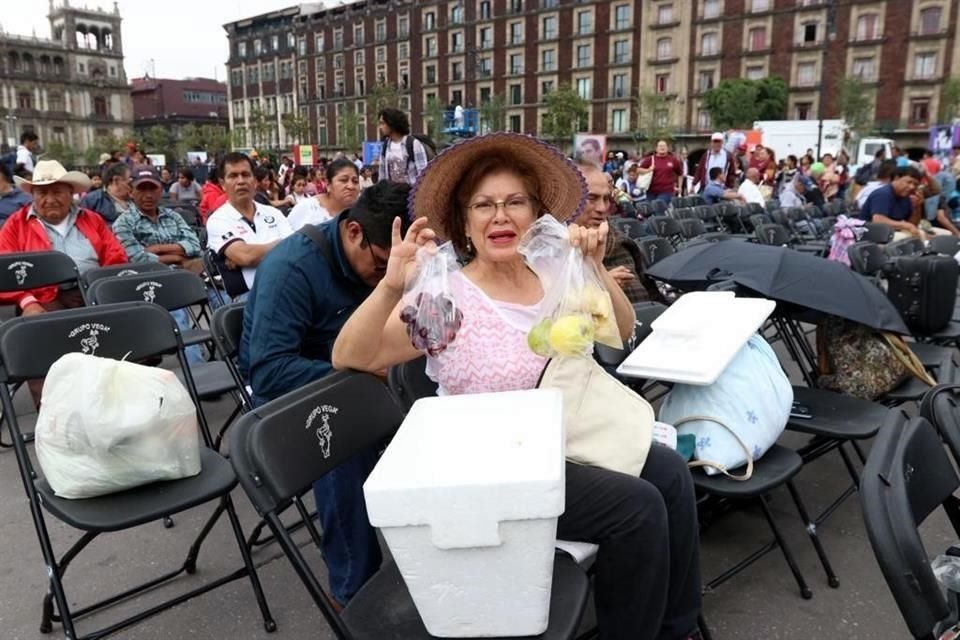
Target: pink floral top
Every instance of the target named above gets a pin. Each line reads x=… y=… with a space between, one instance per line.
x=490 y=353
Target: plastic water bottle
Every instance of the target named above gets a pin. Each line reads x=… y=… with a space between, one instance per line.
x=947 y=571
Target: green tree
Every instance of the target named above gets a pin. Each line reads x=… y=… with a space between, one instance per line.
x=493 y=114
x=158 y=139
x=382 y=96
x=296 y=126
x=349 y=133
x=736 y=103
x=950 y=100
x=259 y=127
x=64 y=153
x=856 y=103
x=653 y=117
x=216 y=140
x=565 y=108
x=433 y=112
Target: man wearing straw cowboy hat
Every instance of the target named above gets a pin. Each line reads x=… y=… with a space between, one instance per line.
x=54 y=223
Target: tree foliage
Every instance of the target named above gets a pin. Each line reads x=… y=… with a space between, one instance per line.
x=296 y=127
x=736 y=103
x=950 y=100
x=62 y=152
x=856 y=104
x=382 y=96
x=565 y=108
x=493 y=114
x=433 y=112
x=653 y=116
x=349 y=134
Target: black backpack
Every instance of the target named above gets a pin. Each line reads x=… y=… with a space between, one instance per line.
x=429 y=146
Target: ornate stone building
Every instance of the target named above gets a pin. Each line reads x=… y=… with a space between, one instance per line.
x=70 y=88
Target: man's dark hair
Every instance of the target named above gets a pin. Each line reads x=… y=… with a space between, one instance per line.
x=909 y=172
x=213 y=175
x=261 y=173
x=119 y=170
x=187 y=173
x=590 y=142
x=28 y=136
x=396 y=119
x=715 y=172
x=234 y=157
x=6 y=173
x=301 y=172
x=337 y=166
x=880 y=154
x=887 y=169
x=376 y=208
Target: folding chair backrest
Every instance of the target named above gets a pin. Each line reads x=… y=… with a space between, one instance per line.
x=171 y=290
x=35 y=269
x=627 y=226
x=652 y=250
x=226 y=327
x=129 y=269
x=684 y=213
x=692 y=228
x=666 y=227
x=658 y=207
x=189 y=213
x=132 y=330
x=760 y=218
x=877 y=232
x=940 y=406
x=905 y=247
x=779 y=216
x=907 y=476
x=866 y=258
x=772 y=234
x=409 y=382
x=946 y=245
x=646 y=313
x=282 y=447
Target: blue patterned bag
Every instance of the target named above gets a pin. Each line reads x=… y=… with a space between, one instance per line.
x=737 y=418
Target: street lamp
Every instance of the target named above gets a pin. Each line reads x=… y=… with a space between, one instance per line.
x=831 y=35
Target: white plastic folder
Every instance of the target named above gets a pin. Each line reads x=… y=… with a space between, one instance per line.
x=697 y=337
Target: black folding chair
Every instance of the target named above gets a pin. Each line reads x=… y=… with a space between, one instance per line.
x=175 y=289
x=946 y=245
x=867 y=258
x=876 y=232
x=129 y=269
x=272 y=470
x=630 y=227
x=133 y=331
x=652 y=250
x=909 y=476
x=905 y=247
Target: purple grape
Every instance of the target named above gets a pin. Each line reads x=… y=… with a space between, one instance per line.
x=408 y=314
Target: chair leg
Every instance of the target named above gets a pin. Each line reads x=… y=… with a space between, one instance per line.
x=787 y=554
x=47 y=616
x=56 y=585
x=814 y=537
x=704 y=629
x=268 y=622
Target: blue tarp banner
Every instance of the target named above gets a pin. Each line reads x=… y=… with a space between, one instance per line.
x=371 y=151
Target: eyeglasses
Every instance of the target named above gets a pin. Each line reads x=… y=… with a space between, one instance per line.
x=379 y=264
x=515 y=205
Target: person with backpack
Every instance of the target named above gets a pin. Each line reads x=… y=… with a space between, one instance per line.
x=404 y=155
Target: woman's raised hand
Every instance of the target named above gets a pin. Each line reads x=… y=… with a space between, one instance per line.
x=403 y=252
x=592 y=242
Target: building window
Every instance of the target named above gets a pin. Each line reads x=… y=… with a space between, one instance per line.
x=456 y=13
x=257 y=47
x=236 y=77
x=665 y=14
x=318 y=43
x=275 y=43
x=925 y=65
x=930 y=21
x=516 y=32
x=253 y=76
x=429 y=21
x=618 y=121
x=549 y=27
x=25 y=100
x=515 y=124
x=485 y=10
x=338 y=61
x=920 y=112
x=242 y=49
x=516 y=6
x=705 y=80
x=760 y=5
x=758 y=38
x=584 y=89
x=431 y=47
x=583 y=55
x=456 y=42
x=546 y=87
x=358 y=35
x=619 y=85
x=404 y=78
x=711 y=9
x=621 y=17
x=704 y=121
x=548 y=4
x=868 y=27
x=486 y=66
x=804 y=110
x=431 y=74
x=807 y=74
x=708 y=44
x=358 y=57
x=584 y=22
x=756 y=72
x=456 y=71
x=486 y=37
x=302 y=47
x=664 y=48
x=810 y=33
x=863 y=69
x=403 y=26
x=516 y=94
x=268 y=72
x=621 y=52
x=661 y=117
x=338 y=38
x=290 y=41
x=548 y=60
x=99 y=106
x=403 y=50
x=662 y=82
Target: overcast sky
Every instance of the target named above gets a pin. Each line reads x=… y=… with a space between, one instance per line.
x=183 y=38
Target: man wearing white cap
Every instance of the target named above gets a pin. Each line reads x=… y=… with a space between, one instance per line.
x=715 y=156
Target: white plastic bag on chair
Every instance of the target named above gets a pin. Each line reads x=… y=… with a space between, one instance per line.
x=752 y=397
x=106 y=425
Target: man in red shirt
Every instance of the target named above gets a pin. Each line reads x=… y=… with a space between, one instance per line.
x=667 y=173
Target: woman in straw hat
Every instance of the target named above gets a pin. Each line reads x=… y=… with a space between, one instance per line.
x=483 y=194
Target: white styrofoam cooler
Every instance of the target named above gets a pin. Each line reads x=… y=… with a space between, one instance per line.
x=467 y=496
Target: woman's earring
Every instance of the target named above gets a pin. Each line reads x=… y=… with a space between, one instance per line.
x=469 y=246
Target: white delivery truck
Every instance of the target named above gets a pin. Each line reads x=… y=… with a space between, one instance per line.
x=794 y=137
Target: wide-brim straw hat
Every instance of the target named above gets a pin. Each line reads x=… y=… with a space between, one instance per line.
x=51 y=172
x=563 y=190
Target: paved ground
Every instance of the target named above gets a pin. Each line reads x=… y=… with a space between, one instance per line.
x=762 y=602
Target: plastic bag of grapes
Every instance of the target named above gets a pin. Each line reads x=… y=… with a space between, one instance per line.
x=429 y=310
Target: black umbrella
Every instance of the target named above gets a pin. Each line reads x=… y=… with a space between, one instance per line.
x=784 y=275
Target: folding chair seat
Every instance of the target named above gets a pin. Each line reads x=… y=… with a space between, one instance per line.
x=137 y=330
x=946 y=245
x=908 y=476
x=905 y=247
x=272 y=470
x=129 y=269
x=877 y=232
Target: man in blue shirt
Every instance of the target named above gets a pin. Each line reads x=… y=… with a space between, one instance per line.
x=12 y=199
x=305 y=290
x=891 y=204
x=716 y=190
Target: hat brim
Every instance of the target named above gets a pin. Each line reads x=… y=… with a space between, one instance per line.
x=153 y=181
x=76 y=179
x=563 y=190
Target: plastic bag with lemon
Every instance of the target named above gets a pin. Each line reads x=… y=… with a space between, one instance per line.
x=577 y=310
